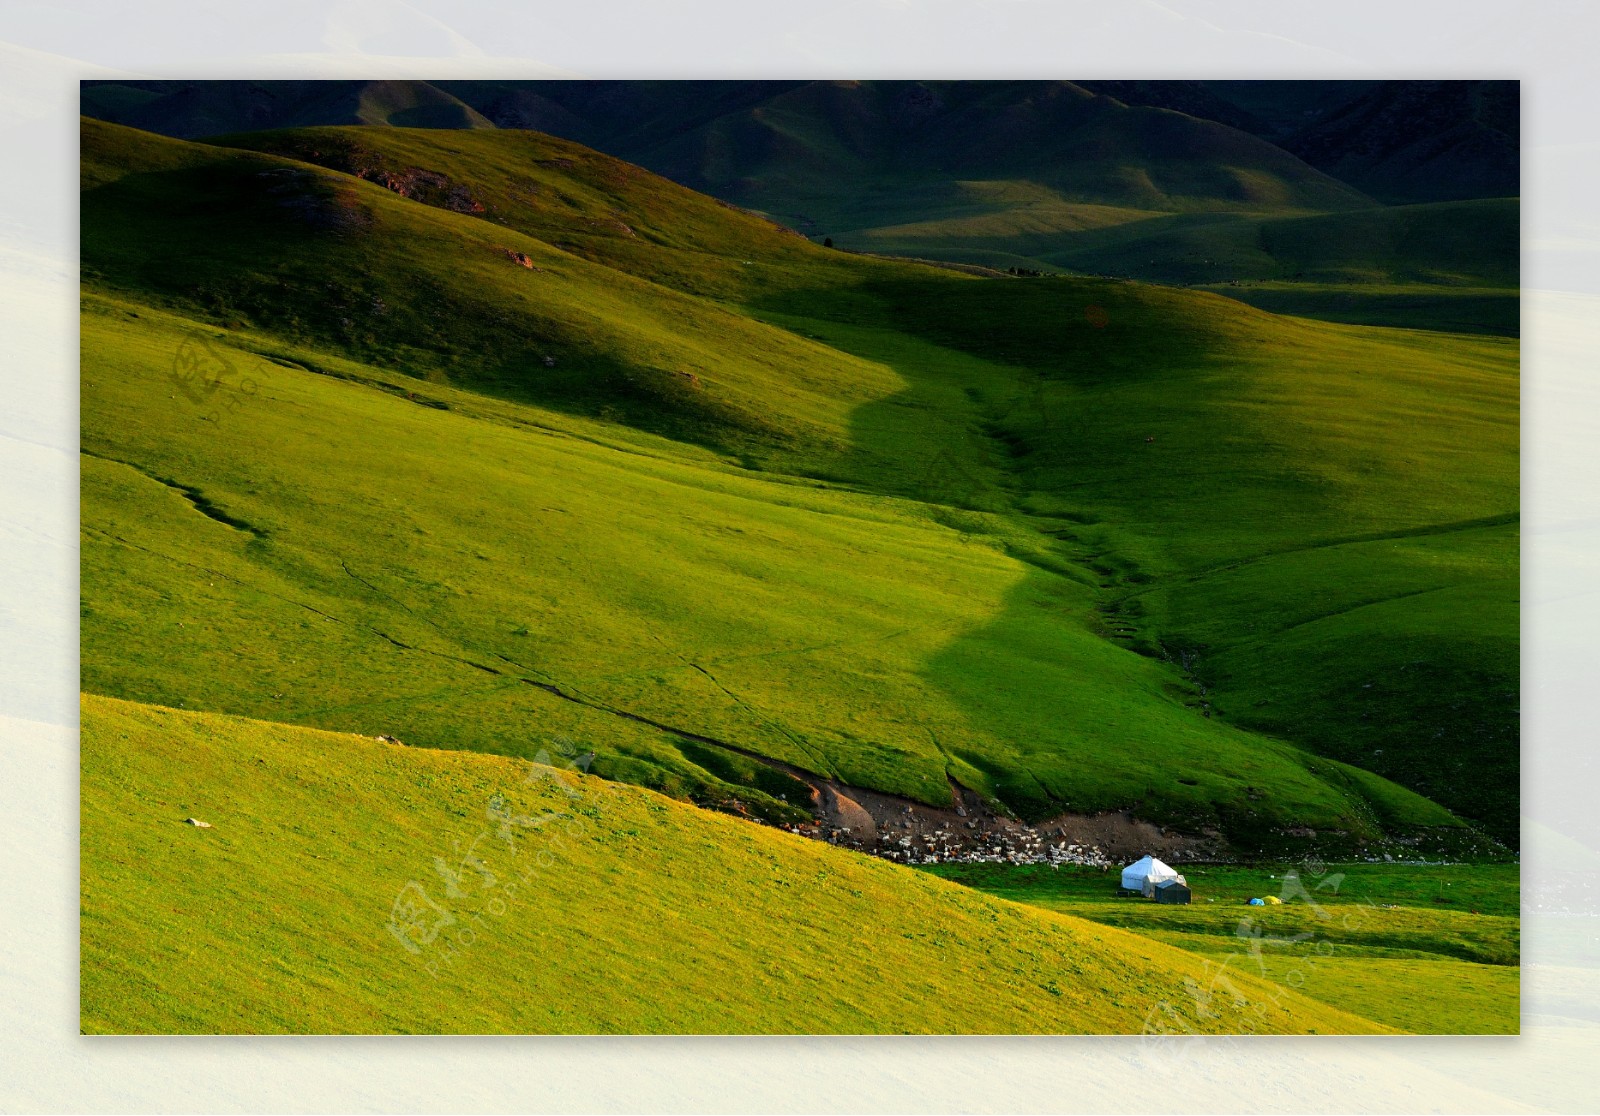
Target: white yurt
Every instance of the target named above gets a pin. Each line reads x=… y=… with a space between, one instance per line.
x=1143 y=875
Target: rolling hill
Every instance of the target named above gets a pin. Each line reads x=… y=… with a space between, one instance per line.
x=843 y=154
x=348 y=886
x=190 y=109
x=1448 y=266
x=1451 y=266
x=1417 y=141
x=782 y=146
x=1449 y=244
x=1215 y=183
x=514 y=575
x=537 y=443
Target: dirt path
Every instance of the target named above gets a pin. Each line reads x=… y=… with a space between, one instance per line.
x=911 y=832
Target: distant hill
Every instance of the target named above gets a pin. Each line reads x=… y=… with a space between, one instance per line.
x=1275 y=109
x=191 y=109
x=1192 y=98
x=1398 y=140
x=818 y=153
x=831 y=155
x=1030 y=174
x=1468 y=243
x=1411 y=141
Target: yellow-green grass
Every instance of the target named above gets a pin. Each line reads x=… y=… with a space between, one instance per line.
x=568 y=195
x=600 y=908
x=1431 y=949
x=1007 y=217
x=718 y=558
x=337 y=555
x=328 y=261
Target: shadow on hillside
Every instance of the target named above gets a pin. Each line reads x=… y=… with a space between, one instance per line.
x=1006 y=410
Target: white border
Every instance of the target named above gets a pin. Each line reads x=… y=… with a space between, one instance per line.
x=46 y=48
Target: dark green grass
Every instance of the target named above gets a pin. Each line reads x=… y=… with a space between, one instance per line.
x=1317 y=523
x=877 y=520
x=1447 y=309
x=1430 y=949
x=849 y=155
x=1402 y=660
x=1446 y=266
x=1453 y=243
x=879 y=640
x=1467 y=243
x=1449 y=266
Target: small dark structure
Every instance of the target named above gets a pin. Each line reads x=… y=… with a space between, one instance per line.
x=1171 y=891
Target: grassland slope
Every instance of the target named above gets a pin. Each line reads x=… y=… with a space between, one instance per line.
x=346 y=885
x=327 y=260
x=343 y=552
x=1362 y=937
x=963 y=487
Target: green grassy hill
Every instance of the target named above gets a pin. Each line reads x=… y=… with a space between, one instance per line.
x=1452 y=244
x=320 y=901
x=806 y=150
x=573 y=198
x=879 y=522
x=416 y=577
x=1360 y=937
x=326 y=260
x=1171 y=182
x=1450 y=266
x=1318 y=522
